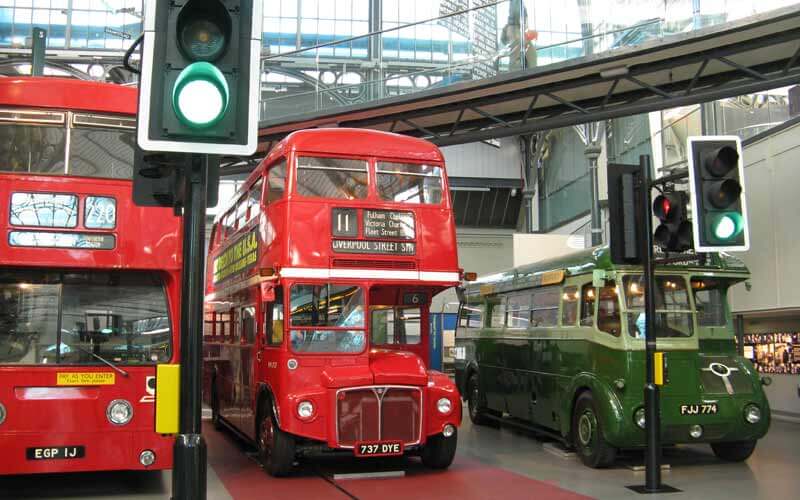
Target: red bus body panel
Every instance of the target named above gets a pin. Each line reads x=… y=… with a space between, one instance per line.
x=42 y=413
x=294 y=237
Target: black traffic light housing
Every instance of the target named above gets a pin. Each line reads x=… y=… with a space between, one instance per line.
x=719 y=209
x=626 y=213
x=674 y=233
x=200 y=79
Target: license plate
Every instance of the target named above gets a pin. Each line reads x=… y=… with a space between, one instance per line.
x=379 y=449
x=55 y=452
x=700 y=409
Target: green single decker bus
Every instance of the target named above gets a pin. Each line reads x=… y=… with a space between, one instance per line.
x=559 y=345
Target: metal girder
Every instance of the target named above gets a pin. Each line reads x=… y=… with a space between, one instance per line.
x=742 y=57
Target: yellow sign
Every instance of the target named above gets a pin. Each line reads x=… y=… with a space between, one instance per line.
x=238 y=257
x=86 y=378
x=658 y=366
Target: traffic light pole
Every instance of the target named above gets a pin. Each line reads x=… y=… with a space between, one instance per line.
x=189 y=469
x=652 y=407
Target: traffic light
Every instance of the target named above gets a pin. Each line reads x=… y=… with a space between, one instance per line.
x=674 y=234
x=719 y=210
x=626 y=213
x=200 y=80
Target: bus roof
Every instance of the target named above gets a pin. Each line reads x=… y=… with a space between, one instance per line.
x=356 y=141
x=551 y=271
x=68 y=93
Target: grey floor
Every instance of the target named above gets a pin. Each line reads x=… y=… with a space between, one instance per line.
x=773 y=472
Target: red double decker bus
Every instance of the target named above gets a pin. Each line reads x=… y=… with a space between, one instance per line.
x=89 y=284
x=320 y=277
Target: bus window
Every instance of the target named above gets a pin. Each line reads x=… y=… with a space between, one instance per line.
x=519 y=311
x=276 y=182
x=331 y=178
x=409 y=183
x=545 y=306
x=314 y=307
x=248 y=325
x=254 y=201
x=96 y=151
x=608 y=317
x=273 y=320
x=241 y=212
x=709 y=301
x=673 y=314
x=34 y=149
x=471 y=316
x=72 y=317
x=569 y=306
x=395 y=325
x=497 y=315
x=588 y=296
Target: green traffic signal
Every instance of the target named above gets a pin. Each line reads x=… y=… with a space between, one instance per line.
x=200 y=96
x=726 y=226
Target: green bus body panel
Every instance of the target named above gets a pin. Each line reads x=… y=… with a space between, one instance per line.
x=536 y=374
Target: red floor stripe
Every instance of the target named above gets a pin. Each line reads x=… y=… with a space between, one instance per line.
x=465 y=480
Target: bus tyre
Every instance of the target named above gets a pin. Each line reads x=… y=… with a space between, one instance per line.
x=275 y=447
x=477 y=410
x=215 y=417
x=439 y=451
x=735 y=451
x=587 y=434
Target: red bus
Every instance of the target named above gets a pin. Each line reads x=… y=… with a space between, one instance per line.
x=320 y=276
x=89 y=283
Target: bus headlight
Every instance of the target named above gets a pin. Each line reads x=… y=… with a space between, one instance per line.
x=444 y=406
x=2 y=413
x=638 y=417
x=752 y=414
x=147 y=458
x=696 y=431
x=305 y=409
x=119 y=412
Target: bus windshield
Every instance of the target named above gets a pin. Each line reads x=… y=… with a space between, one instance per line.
x=409 y=182
x=395 y=325
x=327 y=318
x=709 y=299
x=50 y=317
x=332 y=178
x=673 y=312
x=36 y=143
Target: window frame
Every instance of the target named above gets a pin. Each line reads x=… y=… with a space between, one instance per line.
x=295 y=174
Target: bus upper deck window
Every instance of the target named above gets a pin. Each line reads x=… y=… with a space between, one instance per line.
x=409 y=182
x=276 y=182
x=35 y=149
x=332 y=178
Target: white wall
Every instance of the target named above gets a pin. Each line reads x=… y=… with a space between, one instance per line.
x=482 y=160
x=530 y=248
x=772 y=181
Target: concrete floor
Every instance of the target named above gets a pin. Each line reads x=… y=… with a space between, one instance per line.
x=491 y=463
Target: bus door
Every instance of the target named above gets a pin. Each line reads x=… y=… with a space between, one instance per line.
x=229 y=399
x=247 y=418
x=271 y=340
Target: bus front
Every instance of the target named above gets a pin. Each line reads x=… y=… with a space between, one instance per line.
x=370 y=241
x=89 y=287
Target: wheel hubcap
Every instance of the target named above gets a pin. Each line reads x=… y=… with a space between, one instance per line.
x=586 y=428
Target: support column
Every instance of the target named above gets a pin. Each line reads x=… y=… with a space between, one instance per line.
x=592 y=152
x=375 y=50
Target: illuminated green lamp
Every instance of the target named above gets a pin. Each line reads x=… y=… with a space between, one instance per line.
x=726 y=226
x=201 y=95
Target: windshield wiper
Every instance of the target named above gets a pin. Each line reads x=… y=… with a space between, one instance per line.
x=103 y=360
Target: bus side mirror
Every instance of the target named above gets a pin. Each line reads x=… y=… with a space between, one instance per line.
x=765 y=381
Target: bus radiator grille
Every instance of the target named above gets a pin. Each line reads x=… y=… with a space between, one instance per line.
x=379 y=414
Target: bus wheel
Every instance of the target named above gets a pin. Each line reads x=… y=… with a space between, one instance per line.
x=477 y=412
x=215 y=418
x=439 y=451
x=736 y=451
x=587 y=434
x=275 y=447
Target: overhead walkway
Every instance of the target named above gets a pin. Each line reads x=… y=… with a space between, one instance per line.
x=640 y=69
